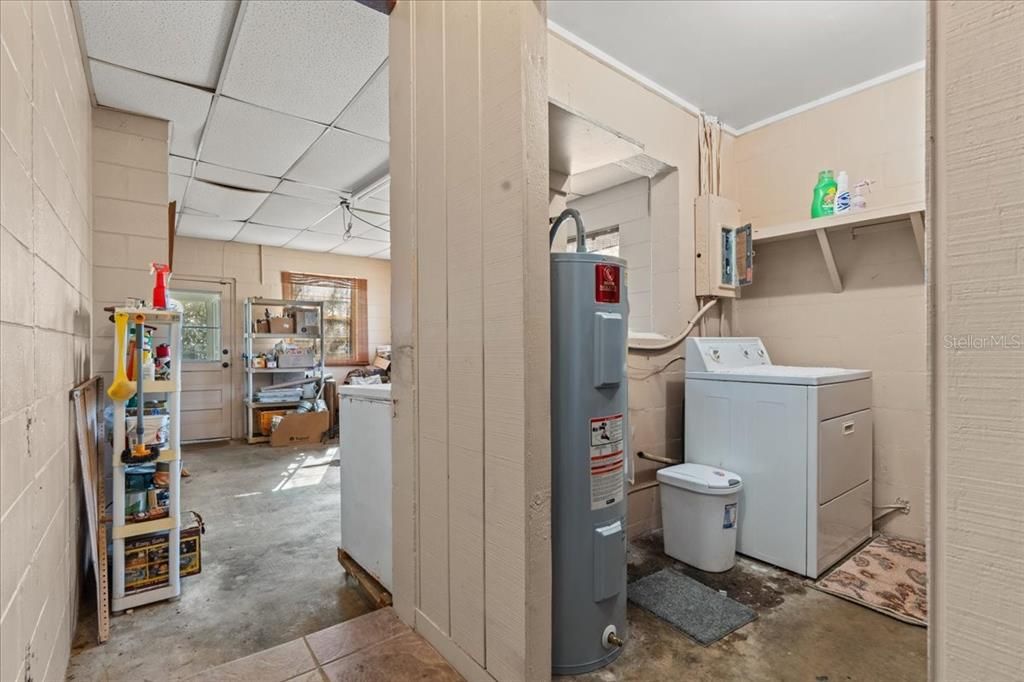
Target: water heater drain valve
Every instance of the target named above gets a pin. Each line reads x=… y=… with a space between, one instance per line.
x=611 y=638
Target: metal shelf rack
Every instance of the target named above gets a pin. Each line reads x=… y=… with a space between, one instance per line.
x=168 y=321
x=252 y=406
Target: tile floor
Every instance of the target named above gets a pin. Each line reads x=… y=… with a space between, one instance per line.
x=376 y=647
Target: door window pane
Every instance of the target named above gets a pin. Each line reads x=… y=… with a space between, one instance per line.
x=200 y=326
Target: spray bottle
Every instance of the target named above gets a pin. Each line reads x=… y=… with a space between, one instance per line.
x=163 y=273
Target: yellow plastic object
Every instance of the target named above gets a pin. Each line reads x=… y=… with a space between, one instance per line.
x=121 y=389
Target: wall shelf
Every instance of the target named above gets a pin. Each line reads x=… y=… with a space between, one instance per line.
x=911 y=214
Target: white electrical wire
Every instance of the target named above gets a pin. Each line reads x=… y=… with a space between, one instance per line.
x=676 y=340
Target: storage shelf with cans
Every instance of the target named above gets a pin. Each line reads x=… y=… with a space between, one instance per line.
x=165 y=583
x=255 y=341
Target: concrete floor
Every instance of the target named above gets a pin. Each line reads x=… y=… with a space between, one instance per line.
x=800 y=634
x=270 y=570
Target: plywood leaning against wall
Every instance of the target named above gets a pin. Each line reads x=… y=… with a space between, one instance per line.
x=470 y=310
x=976 y=95
x=878 y=322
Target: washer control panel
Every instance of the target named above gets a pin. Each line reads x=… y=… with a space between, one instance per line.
x=716 y=353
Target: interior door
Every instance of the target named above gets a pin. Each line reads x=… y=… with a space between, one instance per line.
x=206 y=391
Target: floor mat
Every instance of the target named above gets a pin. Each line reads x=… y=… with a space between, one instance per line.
x=889 y=575
x=699 y=611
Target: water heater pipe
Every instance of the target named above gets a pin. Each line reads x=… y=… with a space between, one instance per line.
x=676 y=340
x=581 y=235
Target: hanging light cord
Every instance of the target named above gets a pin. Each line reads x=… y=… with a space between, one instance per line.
x=346 y=206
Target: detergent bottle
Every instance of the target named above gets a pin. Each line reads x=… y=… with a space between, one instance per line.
x=824 y=195
x=163 y=273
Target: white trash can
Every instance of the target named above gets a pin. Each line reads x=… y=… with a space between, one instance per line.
x=700 y=514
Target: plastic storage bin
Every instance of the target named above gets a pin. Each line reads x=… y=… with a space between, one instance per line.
x=700 y=515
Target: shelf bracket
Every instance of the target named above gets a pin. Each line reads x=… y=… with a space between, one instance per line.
x=830 y=261
x=917 y=223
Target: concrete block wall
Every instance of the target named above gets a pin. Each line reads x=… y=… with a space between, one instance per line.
x=130 y=217
x=879 y=320
x=256 y=271
x=45 y=326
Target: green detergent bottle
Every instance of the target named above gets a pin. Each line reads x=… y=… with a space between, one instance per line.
x=824 y=195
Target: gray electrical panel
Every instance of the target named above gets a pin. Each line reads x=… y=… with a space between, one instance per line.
x=589 y=451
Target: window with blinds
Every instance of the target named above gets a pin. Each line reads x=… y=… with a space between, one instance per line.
x=345 y=337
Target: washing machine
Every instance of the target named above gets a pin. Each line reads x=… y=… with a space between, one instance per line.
x=800 y=438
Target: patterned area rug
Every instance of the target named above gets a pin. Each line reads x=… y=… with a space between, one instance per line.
x=889 y=575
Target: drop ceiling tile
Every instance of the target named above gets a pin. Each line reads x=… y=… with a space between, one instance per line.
x=368 y=112
x=359 y=247
x=265 y=235
x=181 y=41
x=284 y=211
x=297 y=189
x=179 y=165
x=235 y=178
x=384 y=193
x=222 y=202
x=342 y=160
x=373 y=204
x=307 y=58
x=207 y=228
x=176 y=188
x=257 y=140
x=186 y=107
x=314 y=241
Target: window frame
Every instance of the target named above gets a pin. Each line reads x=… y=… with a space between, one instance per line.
x=291 y=283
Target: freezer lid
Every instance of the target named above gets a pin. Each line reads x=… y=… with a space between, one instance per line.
x=381 y=392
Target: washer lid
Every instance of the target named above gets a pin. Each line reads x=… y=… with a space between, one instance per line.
x=700 y=478
x=782 y=374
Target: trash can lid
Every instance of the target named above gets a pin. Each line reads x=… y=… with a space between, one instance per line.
x=700 y=478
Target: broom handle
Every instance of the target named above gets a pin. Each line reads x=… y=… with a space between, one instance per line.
x=139 y=381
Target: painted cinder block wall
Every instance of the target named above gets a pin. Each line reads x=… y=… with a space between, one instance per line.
x=45 y=308
x=256 y=271
x=130 y=217
x=878 y=322
x=975 y=235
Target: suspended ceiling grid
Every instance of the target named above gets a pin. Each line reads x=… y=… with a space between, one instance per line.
x=278 y=111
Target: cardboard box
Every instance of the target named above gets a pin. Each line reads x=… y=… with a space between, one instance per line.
x=265 y=418
x=146 y=559
x=261 y=326
x=299 y=428
x=282 y=325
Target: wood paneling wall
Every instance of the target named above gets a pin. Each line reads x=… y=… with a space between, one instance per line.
x=470 y=310
x=976 y=296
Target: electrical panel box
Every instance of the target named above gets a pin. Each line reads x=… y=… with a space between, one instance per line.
x=723 y=248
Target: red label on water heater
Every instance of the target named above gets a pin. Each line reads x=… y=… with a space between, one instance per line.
x=606 y=283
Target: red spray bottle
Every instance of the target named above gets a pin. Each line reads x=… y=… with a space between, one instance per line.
x=163 y=273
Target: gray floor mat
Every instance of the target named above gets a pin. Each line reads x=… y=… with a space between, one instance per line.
x=697 y=610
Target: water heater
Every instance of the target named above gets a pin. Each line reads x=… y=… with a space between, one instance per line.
x=589 y=446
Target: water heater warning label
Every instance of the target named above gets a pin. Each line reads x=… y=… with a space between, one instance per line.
x=607 y=462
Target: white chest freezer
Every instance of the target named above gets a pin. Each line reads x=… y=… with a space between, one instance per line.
x=800 y=438
x=365 y=419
